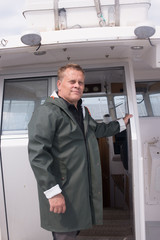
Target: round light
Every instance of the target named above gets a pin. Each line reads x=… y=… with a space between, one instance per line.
x=137 y=47
x=40 y=53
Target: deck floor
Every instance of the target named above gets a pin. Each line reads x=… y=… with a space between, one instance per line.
x=117 y=225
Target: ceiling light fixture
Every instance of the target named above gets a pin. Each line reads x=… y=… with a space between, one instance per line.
x=39 y=53
x=137 y=47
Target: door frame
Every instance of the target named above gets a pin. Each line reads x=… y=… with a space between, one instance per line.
x=3 y=217
x=136 y=155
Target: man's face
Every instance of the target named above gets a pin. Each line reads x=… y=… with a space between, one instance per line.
x=72 y=86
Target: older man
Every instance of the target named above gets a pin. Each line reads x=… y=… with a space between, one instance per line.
x=64 y=156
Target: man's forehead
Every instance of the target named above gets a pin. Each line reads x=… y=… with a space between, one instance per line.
x=71 y=71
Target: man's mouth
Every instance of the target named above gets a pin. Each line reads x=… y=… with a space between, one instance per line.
x=76 y=92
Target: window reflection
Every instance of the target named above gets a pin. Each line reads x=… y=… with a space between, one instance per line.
x=16 y=114
x=20 y=100
x=98 y=106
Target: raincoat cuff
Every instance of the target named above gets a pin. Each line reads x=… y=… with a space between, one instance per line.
x=52 y=191
x=122 y=124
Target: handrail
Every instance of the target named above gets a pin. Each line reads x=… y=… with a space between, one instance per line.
x=56 y=17
x=117 y=13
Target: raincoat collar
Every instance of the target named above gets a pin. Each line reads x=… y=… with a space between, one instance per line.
x=54 y=95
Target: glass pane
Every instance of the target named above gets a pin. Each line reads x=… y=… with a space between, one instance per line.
x=120 y=106
x=141 y=106
x=155 y=103
x=148 y=98
x=20 y=100
x=98 y=106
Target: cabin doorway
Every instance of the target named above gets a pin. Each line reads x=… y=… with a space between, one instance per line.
x=106 y=97
x=117 y=184
x=104 y=155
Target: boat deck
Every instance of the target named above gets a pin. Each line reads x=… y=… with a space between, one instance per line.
x=117 y=225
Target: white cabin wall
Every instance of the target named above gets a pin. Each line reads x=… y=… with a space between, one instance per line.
x=21 y=190
x=147 y=74
x=149 y=130
x=149 y=127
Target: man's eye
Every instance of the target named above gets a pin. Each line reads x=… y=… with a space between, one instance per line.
x=81 y=83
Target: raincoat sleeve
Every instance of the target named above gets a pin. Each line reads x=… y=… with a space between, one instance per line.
x=103 y=129
x=41 y=132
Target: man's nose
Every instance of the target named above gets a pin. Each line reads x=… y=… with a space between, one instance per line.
x=76 y=84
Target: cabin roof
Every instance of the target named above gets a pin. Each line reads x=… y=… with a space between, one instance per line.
x=74 y=45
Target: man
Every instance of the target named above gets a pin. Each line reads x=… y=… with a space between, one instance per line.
x=64 y=156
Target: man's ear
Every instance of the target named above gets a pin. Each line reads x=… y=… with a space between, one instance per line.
x=59 y=84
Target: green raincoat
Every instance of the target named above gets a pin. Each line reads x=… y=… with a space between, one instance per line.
x=59 y=154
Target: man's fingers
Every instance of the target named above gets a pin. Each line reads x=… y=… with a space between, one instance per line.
x=64 y=209
x=127 y=118
x=51 y=209
x=57 y=204
x=59 y=209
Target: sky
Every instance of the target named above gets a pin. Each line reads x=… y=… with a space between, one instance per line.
x=12 y=21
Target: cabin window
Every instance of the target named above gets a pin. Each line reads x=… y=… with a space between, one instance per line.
x=141 y=105
x=155 y=103
x=120 y=103
x=21 y=97
x=98 y=106
x=148 y=98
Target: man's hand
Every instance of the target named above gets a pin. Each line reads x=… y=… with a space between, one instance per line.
x=127 y=117
x=57 y=204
